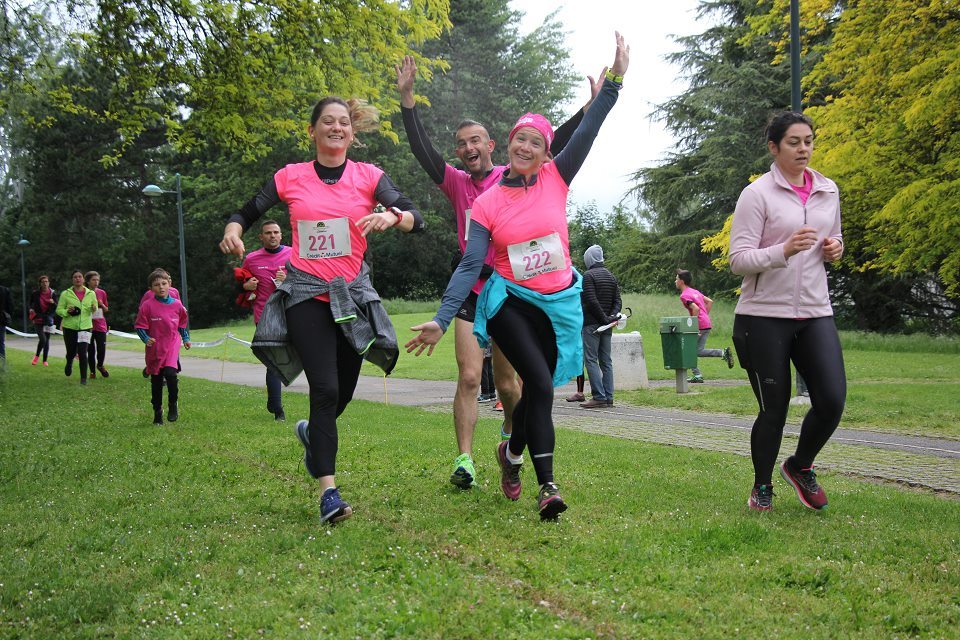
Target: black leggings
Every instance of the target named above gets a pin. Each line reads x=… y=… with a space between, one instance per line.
x=168 y=374
x=525 y=335
x=332 y=367
x=43 y=342
x=765 y=348
x=75 y=348
x=98 y=349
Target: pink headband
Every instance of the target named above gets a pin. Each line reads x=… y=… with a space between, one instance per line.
x=536 y=121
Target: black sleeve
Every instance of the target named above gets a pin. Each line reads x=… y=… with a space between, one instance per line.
x=389 y=195
x=617 y=301
x=257 y=205
x=465 y=276
x=562 y=135
x=423 y=150
x=591 y=303
x=571 y=158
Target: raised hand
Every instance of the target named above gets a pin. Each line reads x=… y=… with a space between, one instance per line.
x=621 y=59
x=406 y=75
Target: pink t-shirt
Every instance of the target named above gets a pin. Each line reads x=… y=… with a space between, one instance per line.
x=529 y=231
x=462 y=190
x=162 y=322
x=804 y=191
x=99 y=322
x=264 y=265
x=691 y=295
x=327 y=214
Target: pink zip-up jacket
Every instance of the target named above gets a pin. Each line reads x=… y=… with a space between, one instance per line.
x=767 y=214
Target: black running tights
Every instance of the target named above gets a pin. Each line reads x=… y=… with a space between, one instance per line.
x=98 y=349
x=156 y=388
x=74 y=348
x=765 y=348
x=525 y=335
x=332 y=367
x=43 y=342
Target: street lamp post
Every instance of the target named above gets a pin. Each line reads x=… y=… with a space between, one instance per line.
x=23 y=243
x=154 y=191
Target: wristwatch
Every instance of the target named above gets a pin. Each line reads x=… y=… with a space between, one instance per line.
x=397 y=213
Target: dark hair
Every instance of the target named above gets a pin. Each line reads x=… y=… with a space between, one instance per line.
x=268 y=222
x=684 y=276
x=780 y=122
x=75 y=272
x=88 y=275
x=467 y=122
x=157 y=274
x=41 y=277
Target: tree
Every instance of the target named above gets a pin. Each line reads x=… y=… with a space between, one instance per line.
x=888 y=133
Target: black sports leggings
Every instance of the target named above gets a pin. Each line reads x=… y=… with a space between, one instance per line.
x=98 y=349
x=43 y=342
x=525 y=335
x=765 y=348
x=74 y=348
x=332 y=367
x=156 y=388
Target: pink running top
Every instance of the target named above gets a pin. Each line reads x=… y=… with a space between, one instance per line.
x=528 y=227
x=264 y=266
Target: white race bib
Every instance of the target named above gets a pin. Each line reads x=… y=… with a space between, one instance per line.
x=320 y=239
x=466 y=224
x=534 y=257
x=48 y=328
x=84 y=337
x=98 y=314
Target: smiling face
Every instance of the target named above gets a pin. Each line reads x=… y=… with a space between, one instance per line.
x=527 y=151
x=271 y=236
x=474 y=149
x=792 y=154
x=332 y=133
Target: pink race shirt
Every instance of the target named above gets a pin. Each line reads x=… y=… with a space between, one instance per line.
x=529 y=231
x=462 y=190
x=689 y=295
x=99 y=322
x=264 y=265
x=326 y=239
x=162 y=322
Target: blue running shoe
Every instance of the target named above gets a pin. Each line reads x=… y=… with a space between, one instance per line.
x=303 y=435
x=332 y=507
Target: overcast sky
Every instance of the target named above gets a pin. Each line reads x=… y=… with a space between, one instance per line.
x=629 y=139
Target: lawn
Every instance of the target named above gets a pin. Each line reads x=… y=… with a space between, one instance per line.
x=897 y=384
x=208 y=528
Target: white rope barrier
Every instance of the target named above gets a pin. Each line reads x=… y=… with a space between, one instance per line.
x=133 y=336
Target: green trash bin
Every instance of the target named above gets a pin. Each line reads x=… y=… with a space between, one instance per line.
x=678 y=335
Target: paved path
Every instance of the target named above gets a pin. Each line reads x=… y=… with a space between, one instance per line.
x=926 y=462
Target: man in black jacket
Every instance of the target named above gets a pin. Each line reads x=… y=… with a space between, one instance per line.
x=601 y=306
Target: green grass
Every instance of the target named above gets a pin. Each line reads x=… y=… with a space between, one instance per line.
x=898 y=384
x=112 y=527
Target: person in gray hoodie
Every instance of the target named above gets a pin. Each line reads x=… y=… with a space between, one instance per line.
x=601 y=305
x=786 y=226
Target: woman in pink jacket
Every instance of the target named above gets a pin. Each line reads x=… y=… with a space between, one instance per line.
x=785 y=227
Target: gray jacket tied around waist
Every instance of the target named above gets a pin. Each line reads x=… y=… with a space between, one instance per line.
x=355 y=306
